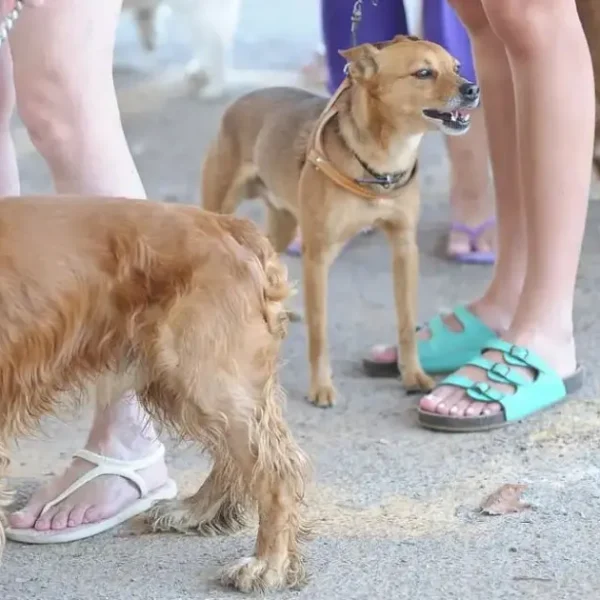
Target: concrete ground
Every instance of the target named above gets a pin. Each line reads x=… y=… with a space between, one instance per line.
x=396 y=505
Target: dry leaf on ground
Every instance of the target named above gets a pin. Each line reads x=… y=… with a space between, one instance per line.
x=505 y=500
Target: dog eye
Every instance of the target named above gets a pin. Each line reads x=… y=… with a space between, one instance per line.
x=424 y=74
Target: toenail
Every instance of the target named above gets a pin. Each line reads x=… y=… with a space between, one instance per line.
x=453 y=410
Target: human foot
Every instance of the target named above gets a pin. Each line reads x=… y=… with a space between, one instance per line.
x=472 y=244
x=120 y=431
x=97 y=500
x=511 y=379
x=446 y=342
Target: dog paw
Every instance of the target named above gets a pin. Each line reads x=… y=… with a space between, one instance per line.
x=293 y=316
x=169 y=515
x=183 y=517
x=323 y=396
x=202 y=84
x=417 y=381
x=253 y=575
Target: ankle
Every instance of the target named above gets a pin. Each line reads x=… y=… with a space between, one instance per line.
x=113 y=444
x=470 y=207
x=555 y=332
x=556 y=347
x=123 y=431
x=496 y=315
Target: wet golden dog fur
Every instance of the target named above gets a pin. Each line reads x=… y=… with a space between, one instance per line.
x=185 y=307
x=261 y=152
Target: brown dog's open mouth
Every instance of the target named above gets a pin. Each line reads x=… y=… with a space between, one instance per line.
x=451 y=122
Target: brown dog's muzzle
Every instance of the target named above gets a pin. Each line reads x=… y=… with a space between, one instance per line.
x=470 y=94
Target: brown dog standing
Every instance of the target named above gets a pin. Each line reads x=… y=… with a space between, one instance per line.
x=339 y=166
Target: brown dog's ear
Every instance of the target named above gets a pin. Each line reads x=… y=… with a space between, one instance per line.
x=361 y=61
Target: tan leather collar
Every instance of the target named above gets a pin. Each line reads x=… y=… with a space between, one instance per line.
x=316 y=155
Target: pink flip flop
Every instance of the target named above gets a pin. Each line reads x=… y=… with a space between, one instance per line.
x=474 y=256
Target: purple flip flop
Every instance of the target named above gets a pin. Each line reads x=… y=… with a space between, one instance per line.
x=474 y=256
x=295 y=248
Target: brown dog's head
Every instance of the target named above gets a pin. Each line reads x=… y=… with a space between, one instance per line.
x=416 y=83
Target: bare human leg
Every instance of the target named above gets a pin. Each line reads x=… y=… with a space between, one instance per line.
x=66 y=98
x=495 y=309
x=471 y=236
x=554 y=178
x=470 y=239
x=9 y=174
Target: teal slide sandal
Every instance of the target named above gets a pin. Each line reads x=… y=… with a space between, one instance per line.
x=528 y=396
x=445 y=351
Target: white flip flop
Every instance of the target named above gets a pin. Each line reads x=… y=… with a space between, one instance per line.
x=104 y=466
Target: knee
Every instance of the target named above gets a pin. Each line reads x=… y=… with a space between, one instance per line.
x=526 y=26
x=472 y=15
x=66 y=111
x=49 y=112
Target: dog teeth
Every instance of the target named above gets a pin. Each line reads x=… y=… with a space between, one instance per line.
x=456 y=115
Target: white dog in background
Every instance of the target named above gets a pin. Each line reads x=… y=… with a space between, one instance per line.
x=212 y=25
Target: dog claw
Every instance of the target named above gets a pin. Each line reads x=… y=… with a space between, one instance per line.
x=252 y=575
x=417 y=381
x=323 y=396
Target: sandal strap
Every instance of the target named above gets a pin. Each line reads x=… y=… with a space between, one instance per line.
x=518 y=356
x=474 y=233
x=529 y=395
x=469 y=322
x=498 y=372
x=480 y=391
x=109 y=466
x=514 y=356
x=483 y=391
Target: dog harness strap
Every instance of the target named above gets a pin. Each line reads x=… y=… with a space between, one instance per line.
x=318 y=158
x=323 y=165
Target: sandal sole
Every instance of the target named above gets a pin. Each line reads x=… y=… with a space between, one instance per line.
x=429 y=420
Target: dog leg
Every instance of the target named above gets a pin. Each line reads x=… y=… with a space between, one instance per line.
x=274 y=470
x=257 y=462
x=145 y=19
x=316 y=263
x=224 y=177
x=405 y=268
x=219 y=507
x=212 y=27
x=281 y=227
